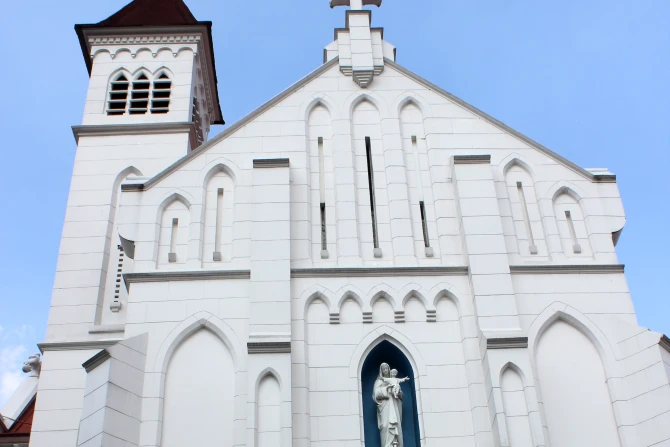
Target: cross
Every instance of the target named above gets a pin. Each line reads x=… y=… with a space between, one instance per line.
x=355 y=4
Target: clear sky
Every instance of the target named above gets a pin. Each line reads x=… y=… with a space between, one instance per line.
x=590 y=79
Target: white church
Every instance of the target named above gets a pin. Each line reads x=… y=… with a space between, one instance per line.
x=365 y=260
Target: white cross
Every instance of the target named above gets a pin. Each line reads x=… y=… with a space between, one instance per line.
x=355 y=4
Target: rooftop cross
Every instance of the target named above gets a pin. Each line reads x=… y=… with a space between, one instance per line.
x=355 y=4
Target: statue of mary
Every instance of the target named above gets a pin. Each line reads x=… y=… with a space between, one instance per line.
x=389 y=409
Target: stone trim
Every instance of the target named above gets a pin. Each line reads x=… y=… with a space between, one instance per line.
x=97 y=360
x=131 y=278
x=104 y=130
x=507 y=343
x=567 y=269
x=271 y=163
x=276 y=347
x=76 y=345
x=665 y=343
x=601 y=178
x=241 y=123
x=471 y=159
x=108 y=329
x=344 y=272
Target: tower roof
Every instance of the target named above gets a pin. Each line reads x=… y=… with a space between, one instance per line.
x=157 y=16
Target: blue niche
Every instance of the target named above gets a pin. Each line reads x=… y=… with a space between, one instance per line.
x=386 y=352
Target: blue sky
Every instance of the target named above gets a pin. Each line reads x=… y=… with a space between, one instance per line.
x=590 y=79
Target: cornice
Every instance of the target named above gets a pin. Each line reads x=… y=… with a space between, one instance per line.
x=471 y=159
x=271 y=163
x=567 y=269
x=665 y=342
x=103 y=130
x=507 y=343
x=277 y=347
x=76 y=345
x=131 y=278
x=97 y=360
x=598 y=178
x=344 y=272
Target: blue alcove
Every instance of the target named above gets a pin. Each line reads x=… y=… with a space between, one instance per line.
x=386 y=352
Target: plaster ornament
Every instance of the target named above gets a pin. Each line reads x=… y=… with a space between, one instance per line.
x=33 y=365
x=388 y=397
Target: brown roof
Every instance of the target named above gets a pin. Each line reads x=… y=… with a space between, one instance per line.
x=151 y=13
x=20 y=431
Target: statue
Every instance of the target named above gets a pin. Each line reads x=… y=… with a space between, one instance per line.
x=388 y=397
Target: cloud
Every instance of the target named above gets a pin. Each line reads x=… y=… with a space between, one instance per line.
x=11 y=360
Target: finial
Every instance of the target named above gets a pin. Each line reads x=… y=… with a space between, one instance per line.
x=355 y=4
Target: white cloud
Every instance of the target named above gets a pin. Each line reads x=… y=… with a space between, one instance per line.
x=11 y=360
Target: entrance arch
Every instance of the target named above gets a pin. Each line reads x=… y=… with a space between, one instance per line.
x=387 y=352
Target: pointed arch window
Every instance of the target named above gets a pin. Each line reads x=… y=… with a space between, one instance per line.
x=118 y=95
x=139 y=99
x=160 y=100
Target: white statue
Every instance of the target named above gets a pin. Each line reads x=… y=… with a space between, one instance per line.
x=388 y=397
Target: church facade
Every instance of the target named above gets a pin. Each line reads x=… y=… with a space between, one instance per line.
x=258 y=288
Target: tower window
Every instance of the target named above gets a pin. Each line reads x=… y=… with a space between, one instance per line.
x=118 y=96
x=160 y=100
x=139 y=99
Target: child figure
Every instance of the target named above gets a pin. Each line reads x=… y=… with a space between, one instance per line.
x=394 y=383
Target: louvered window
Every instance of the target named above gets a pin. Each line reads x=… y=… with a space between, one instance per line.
x=160 y=100
x=118 y=96
x=139 y=99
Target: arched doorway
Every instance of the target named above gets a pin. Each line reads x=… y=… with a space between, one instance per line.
x=386 y=352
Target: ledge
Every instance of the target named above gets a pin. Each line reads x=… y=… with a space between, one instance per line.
x=97 y=360
x=99 y=130
x=345 y=272
x=279 y=347
x=566 y=269
x=271 y=163
x=76 y=345
x=507 y=343
x=131 y=278
x=108 y=329
x=471 y=159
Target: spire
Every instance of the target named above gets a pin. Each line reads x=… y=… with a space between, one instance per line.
x=361 y=49
x=152 y=13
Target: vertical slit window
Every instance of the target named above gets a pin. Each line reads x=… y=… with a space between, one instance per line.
x=172 y=256
x=322 y=201
x=526 y=218
x=373 y=203
x=160 y=98
x=139 y=96
x=576 y=248
x=118 y=96
x=422 y=206
x=219 y=224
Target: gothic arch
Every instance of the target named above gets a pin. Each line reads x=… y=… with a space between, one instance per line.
x=563 y=187
x=323 y=100
x=269 y=371
x=415 y=291
x=516 y=368
x=516 y=159
x=389 y=334
x=377 y=101
x=165 y=69
x=384 y=291
x=351 y=294
x=410 y=97
x=192 y=324
x=446 y=290
x=317 y=293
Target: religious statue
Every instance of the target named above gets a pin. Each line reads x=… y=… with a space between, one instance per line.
x=388 y=397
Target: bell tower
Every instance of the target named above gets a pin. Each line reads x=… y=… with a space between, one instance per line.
x=151 y=100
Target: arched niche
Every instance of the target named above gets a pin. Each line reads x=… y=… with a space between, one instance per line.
x=571 y=224
x=576 y=400
x=173 y=231
x=199 y=393
x=218 y=216
x=514 y=399
x=524 y=219
x=268 y=412
x=387 y=352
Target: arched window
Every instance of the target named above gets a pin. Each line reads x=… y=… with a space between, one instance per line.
x=118 y=95
x=160 y=99
x=139 y=99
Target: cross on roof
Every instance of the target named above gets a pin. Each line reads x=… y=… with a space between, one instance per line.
x=355 y=4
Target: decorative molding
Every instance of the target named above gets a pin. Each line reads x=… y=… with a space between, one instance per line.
x=277 y=347
x=104 y=130
x=567 y=269
x=471 y=159
x=507 y=343
x=138 y=40
x=76 y=345
x=345 y=272
x=131 y=278
x=108 y=329
x=241 y=123
x=665 y=343
x=599 y=178
x=271 y=163
x=97 y=360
